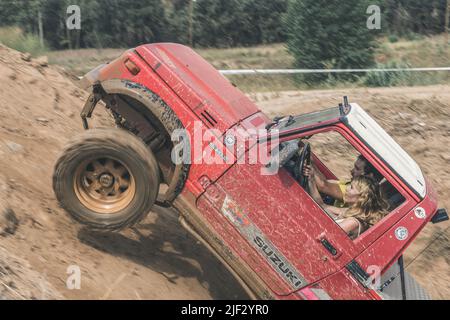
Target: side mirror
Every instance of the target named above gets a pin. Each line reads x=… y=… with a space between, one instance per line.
x=440 y=216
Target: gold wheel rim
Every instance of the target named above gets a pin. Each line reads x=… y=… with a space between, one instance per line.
x=104 y=185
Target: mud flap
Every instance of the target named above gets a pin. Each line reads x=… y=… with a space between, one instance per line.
x=90 y=104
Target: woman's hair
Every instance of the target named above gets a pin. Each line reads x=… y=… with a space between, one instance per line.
x=370 y=169
x=370 y=207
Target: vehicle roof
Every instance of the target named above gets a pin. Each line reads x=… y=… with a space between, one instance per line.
x=385 y=147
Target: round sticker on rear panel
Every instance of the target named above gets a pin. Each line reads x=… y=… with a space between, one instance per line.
x=420 y=213
x=401 y=233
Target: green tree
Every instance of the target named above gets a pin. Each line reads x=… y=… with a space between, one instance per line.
x=55 y=33
x=128 y=22
x=104 y=23
x=414 y=16
x=9 y=12
x=264 y=21
x=177 y=13
x=218 y=23
x=329 y=34
x=21 y=13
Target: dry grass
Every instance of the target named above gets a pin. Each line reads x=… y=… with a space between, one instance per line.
x=273 y=56
x=14 y=38
x=83 y=60
x=426 y=52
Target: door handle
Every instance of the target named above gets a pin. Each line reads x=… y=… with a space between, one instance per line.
x=335 y=253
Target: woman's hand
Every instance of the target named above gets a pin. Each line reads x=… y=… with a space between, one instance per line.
x=308 y=171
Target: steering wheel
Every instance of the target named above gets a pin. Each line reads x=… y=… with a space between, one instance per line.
x=303 y=160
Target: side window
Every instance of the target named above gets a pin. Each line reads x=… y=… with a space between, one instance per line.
x=335 y=152
x=347 y=186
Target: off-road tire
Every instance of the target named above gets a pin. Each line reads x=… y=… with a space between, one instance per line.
x=123 y=147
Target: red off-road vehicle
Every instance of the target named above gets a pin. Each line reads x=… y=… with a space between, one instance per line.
x=266 y=228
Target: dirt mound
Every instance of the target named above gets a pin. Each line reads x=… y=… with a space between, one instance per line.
x=39 y=108
x=40 y=245
x=19 y=281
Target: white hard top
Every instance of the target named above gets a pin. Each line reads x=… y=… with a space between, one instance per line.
x=386 y=148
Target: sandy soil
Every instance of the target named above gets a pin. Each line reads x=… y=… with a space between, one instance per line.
x=158 y=259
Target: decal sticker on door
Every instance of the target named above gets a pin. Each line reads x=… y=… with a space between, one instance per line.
x=276 y=259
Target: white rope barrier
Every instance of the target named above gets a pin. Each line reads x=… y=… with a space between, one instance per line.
x=295 y=71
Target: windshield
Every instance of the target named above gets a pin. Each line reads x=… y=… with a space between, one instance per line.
x=309 y=119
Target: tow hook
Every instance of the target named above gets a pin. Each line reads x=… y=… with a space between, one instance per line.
x=440 y=216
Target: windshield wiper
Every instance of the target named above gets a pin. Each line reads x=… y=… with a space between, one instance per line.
x=290 y=120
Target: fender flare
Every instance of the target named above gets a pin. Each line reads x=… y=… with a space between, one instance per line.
x=161 y=111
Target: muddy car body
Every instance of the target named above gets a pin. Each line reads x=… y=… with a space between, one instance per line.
x=266 y=229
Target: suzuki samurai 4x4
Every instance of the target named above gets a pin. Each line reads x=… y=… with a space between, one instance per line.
x=266 y=228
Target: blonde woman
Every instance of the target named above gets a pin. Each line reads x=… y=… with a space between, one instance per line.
x=366 y=205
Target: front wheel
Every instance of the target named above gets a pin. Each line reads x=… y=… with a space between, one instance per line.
x=106 y=179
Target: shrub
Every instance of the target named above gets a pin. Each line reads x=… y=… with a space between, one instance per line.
x=14 y=38
x=388 y=78
x=392 y=38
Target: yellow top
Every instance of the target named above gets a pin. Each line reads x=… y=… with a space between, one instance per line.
x=343 y=186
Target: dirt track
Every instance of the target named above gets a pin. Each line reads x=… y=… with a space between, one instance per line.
x=39 y=107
